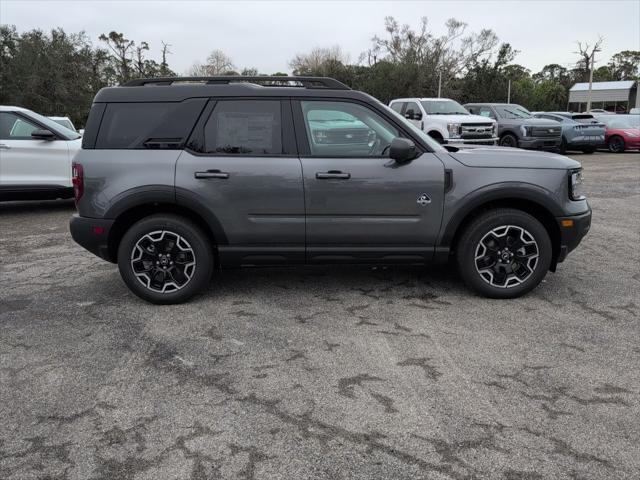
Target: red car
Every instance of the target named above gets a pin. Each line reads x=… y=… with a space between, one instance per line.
x=622 y=133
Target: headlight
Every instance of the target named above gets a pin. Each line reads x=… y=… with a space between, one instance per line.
x=454 y=130
x=526 y=131
x=575 y=185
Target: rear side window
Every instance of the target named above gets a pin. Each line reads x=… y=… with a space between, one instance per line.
x=160 y=125
x=244 y=127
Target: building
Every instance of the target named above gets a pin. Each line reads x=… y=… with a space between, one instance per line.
x=612 y=96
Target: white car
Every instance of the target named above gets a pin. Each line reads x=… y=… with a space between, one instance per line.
x=447 y=121
x=65 y=122
x=35 y=156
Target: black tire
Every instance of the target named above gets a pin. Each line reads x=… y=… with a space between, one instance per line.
x=515 y=222
x=588 y=150
x=157 y=234
x=508 y=140
x=563 y=146
x=616 y=144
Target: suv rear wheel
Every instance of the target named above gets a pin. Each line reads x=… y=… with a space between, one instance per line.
x=504 y=253
x=165 y=259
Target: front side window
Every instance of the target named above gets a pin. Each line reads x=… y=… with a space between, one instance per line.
x=397 y=107
x=343 y=129
x=15 y=127
x=413 y=111
x=244 y=127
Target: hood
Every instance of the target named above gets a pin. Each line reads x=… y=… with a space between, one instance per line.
x=503 y=157
x=463 y=118
x=531 y=121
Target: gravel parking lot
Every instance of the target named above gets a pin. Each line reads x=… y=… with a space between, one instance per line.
x=322 y=372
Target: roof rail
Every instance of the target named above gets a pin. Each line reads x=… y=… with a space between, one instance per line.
x=306 y=82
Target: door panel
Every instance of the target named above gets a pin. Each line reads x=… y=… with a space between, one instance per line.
x=255 y=196
x=377 y=206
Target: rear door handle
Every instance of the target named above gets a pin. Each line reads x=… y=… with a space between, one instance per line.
x=4 y=146
x=333 y=174
x=212 y=174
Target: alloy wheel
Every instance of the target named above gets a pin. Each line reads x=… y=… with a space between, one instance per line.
x=506 y=256
x=163 y=261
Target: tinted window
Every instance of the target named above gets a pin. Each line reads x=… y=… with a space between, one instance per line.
x=148 y=125
x=512 y=112
x=414 y=107
x=342 y=129
x=15 y=127
x=397 y=107
x=249 y=127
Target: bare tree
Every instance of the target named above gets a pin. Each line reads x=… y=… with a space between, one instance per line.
x=587 y=53
x=218 y=63
x=164 y=66
x=140 y=60
x=122 y=49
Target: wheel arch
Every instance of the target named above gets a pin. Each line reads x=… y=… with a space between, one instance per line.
x=531 y=202
x=134 y=213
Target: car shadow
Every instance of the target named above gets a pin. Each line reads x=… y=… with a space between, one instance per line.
x=36 y=206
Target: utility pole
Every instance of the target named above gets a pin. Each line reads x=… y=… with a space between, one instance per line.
x=593 y=53
x=509 y=92
x=439 y=83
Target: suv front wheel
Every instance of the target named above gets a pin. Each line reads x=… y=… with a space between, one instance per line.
x=504 y=253
x=165 y=259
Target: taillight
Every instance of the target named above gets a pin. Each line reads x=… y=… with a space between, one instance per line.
x=77 y=179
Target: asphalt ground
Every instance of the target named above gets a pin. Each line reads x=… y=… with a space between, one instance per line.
x=329 y=373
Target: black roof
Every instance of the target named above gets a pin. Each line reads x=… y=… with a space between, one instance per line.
x=175 y=89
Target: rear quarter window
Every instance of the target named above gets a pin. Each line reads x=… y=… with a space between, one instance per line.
x=146 y=125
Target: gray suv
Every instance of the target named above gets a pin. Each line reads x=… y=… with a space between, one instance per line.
x=181 y=176
x=517 y=127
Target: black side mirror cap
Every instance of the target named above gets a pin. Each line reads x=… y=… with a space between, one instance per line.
x=402 y=150
x=417 y=116
x=43 y=134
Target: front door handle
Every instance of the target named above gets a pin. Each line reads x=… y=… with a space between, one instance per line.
x=212 y=174
x=333 y=174
x=4 y=146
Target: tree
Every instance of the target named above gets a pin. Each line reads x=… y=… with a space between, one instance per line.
x=122 y=49
x=587 y=53
x=625 y=65
x=217 y=63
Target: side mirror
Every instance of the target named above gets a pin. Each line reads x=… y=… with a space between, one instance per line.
x=417 y=116
x=402 y=150
x=409 y=115
x=43 y=134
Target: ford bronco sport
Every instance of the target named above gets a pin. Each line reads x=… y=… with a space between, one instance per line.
x=181 y=176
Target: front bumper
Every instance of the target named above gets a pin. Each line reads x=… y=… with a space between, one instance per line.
x=92 y=234
x=471 y=141
x=540 y=143
x=572 y=230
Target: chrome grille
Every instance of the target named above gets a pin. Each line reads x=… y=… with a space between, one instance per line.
x=476 y=130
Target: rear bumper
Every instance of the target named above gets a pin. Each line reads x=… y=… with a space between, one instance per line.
x=586 y=142
x=540 y=143
x=571 y=236
x=92 y=234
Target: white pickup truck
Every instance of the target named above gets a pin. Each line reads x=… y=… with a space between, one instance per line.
x=447 y=121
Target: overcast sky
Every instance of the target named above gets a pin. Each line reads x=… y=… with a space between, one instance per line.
x=267 y=34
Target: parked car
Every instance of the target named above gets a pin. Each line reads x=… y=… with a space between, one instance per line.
x=580 y=131
x=447 y=121
x=622 y=132
x=518 y=128
x=227 y=172
x=634 y=111
x=35 y=156
x=65 y=122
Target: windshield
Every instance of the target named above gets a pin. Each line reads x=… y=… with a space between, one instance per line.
x=433 y=144
x=512 y=112
x=620 y=121
x=443 y=107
